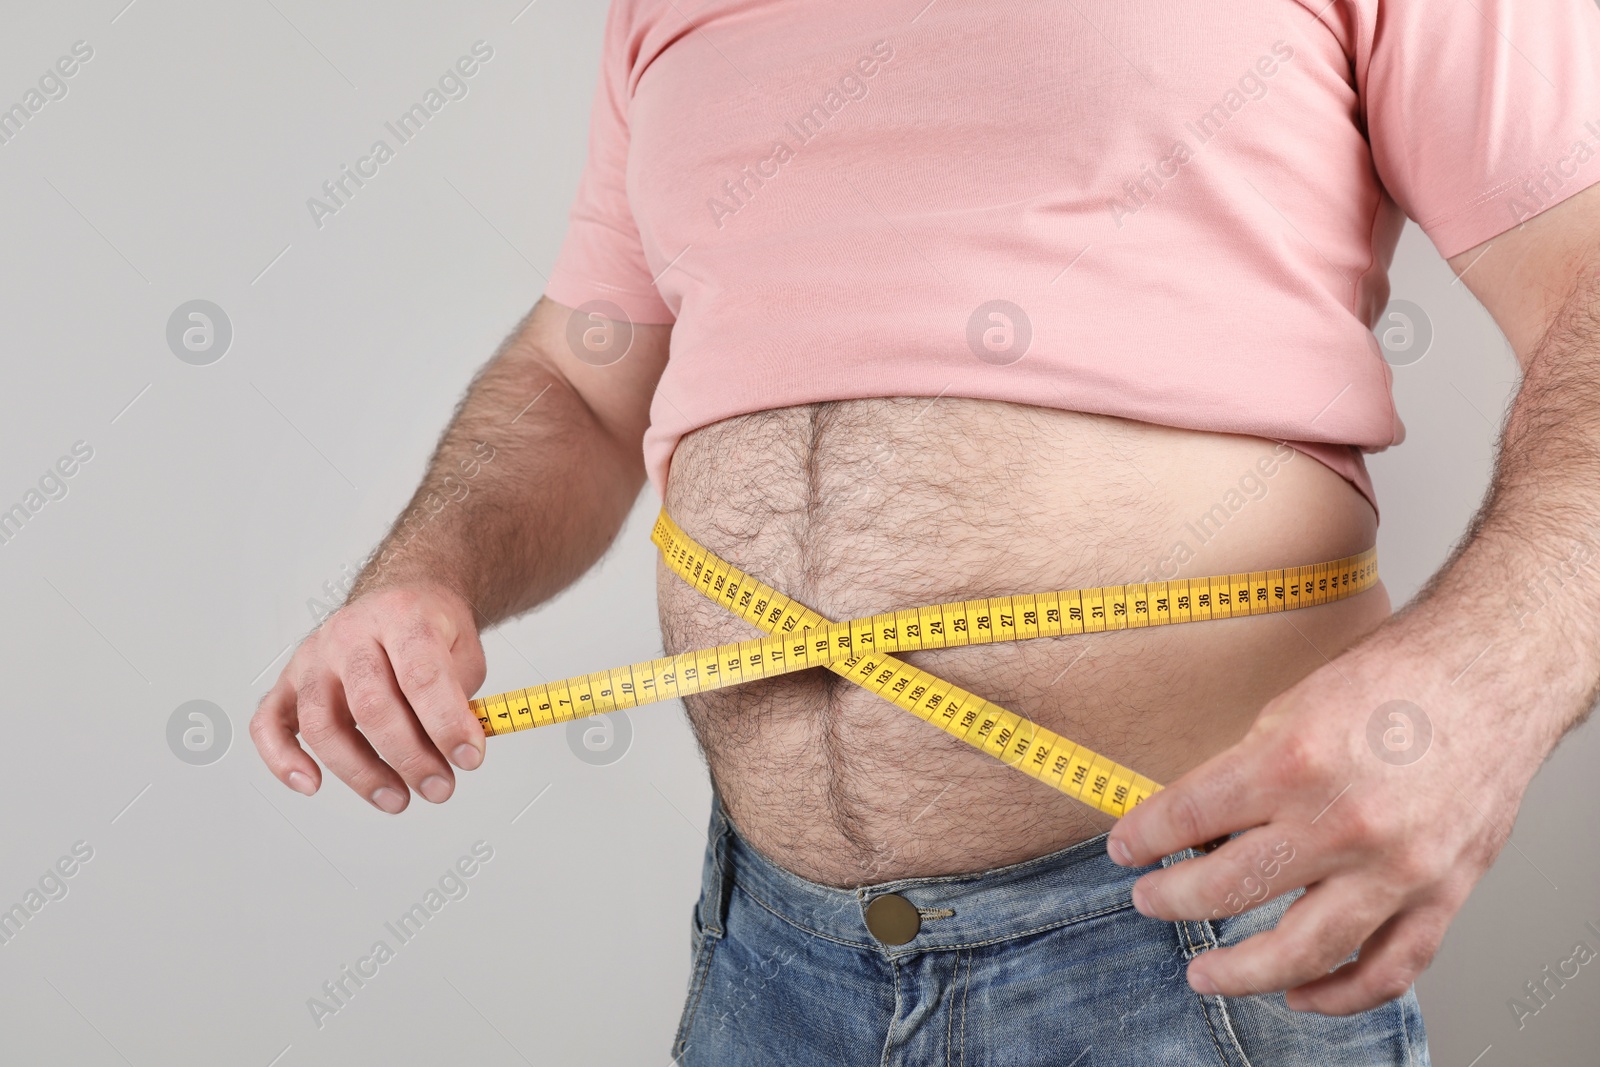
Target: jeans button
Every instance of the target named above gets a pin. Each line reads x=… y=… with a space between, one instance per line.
x=893 y=919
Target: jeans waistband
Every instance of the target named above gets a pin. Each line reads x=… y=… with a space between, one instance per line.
x=1070 y=885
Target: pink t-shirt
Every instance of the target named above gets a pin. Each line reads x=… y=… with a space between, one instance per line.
x=1171 y=211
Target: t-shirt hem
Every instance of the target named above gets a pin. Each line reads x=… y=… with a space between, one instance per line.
x=1472 y=226
x=643 y=309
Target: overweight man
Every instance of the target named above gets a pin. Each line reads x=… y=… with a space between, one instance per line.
x=899 y=303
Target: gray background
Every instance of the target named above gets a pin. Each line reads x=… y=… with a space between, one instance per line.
x=220 y=498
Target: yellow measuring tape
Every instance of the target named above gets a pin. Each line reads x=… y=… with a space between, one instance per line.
x=861 y=650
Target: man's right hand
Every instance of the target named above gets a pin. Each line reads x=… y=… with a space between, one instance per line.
x=379 y=692
x=550 y=436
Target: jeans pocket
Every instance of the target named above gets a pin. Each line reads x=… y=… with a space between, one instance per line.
x=1262 y=1030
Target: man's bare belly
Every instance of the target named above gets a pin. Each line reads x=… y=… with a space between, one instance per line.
x=862 y=506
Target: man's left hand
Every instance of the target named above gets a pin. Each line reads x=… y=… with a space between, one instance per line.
x=1375 y=784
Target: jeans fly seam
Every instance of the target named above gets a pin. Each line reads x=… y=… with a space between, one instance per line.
x=949 y=1020
x=894 y=1019
x=1227 y=1024
x=1208 y=941
x=964 y=987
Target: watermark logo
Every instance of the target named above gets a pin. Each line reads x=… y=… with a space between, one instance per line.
x=602 y=740
x=739 y=191
x=1140 y=190
x=453 y=84
x=1538 y=588
x=1542 y=188
x=1399 y=732
x=199 y=332
x=999 y=333
x=1539 y=991
x=1205 y=527
x=1253 y=888
x=1405 y=333
x=51 y=886
x=451 y=886
x=52 y=485
x=599 y=333
x=199 y=733
x=450 y=490
x=52 y=85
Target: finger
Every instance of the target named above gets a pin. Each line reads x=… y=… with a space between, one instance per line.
x=1319 y=931
x=419 y=653
x=1390 y=961
x=272 y=728
x=387 y=721
x=326 y=725
x=1216 y=798
x=1247 y=871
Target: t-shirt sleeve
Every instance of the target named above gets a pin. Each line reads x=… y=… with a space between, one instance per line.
x=602 y=257
x=1482 y=113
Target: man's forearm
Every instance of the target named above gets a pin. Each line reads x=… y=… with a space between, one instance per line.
x=1515 y=613
x=524 y=492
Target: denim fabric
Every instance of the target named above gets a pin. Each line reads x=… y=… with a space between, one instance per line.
x=1040 y=962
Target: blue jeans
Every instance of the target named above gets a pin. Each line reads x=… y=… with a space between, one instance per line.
x=1040 y=962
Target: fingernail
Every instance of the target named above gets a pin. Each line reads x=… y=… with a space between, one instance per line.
x=466 y=757
x=1120 y=855
x=435 y=788
x=389 y=800
x=301 y=783
x=1140 y=903
x=1202 y=985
